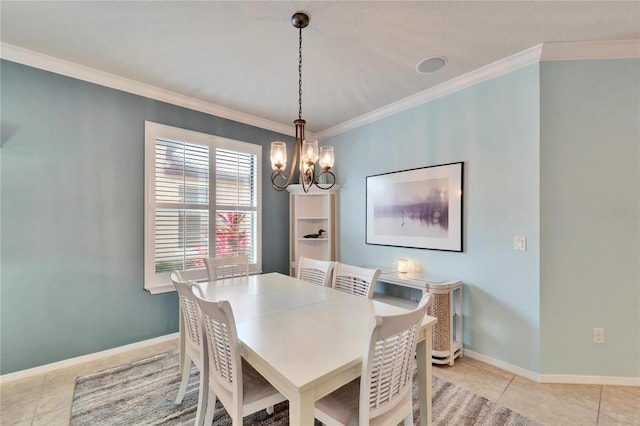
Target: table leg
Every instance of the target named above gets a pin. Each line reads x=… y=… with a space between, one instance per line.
x=301 y=409
x=423 y=358
x=181 y=333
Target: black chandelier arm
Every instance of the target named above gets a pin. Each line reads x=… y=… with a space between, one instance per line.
x=306 y=177
x=332 y=180
x=307 y=181
x=274 y=176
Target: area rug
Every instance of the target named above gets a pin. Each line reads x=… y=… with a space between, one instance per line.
x=142 y=393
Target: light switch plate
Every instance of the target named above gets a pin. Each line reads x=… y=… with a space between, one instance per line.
x=520 y=243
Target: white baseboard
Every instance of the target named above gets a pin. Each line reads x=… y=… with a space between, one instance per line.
x=47 y=368
x=519 y=371
x=527 y=374
x=590 y=380
x=555 y=378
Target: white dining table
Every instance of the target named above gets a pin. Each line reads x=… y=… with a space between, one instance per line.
x=308 y=340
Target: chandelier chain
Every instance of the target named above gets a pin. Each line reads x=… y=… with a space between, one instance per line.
x=300 y=76
x=306 y=166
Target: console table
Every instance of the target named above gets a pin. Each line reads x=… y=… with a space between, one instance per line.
x=446 y=307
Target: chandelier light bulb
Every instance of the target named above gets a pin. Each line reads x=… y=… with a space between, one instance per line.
x=310 y=152
x=278 y=156
x=327 y=157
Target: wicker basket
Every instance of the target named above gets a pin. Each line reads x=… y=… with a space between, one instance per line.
x=441 y=333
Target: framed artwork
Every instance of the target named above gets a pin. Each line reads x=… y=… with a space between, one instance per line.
x=417 y=208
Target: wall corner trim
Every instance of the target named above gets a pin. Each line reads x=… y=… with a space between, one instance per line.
x=69 y=69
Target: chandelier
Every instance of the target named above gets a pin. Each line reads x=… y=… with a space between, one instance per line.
x=305 y=150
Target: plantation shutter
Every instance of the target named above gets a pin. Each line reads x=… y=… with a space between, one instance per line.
x=182 y=205
x=203 y=199
x=236 y=204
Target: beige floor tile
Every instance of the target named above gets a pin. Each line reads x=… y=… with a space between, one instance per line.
x=7 y=421
x=553 y=404
x=478 y=377
x=19 y=399
x=604 y=420
x=635 y=390
x=621 y=403
x=21 y=385
x=58 y=417
x=57 y=392
x=47 y=399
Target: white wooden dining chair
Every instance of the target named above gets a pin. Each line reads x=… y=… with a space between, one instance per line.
x=355 y=279
x=238 y=386
x=227 y=267
x=193 y=341
x=176 y=276
x=315 y=271
x=382 y=394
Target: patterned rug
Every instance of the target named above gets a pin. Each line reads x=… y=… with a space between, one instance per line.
x=143 y=392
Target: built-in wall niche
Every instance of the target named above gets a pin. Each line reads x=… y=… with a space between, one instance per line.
x=310 y=212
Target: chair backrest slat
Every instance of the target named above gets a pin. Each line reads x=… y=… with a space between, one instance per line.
x=227 y=267
x=315 y=271
x=355 y=279
x=189 y=308
x=223 y=348
x=387 y=369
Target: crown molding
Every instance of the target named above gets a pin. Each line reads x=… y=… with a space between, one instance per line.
x=495 y=69
x=92 y=75
x=552 y=51
x=555 y=51
x=586 y=50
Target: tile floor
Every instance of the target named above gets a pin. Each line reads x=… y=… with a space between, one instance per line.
x=46 y=399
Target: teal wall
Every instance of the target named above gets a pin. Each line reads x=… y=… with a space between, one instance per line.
x=590 y=217
x=72 y=218
x=493 y=127
x=551 y=152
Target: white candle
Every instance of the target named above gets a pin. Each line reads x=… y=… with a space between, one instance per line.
x=403 y=265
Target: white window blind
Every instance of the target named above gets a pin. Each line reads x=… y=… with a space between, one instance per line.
x=236 y=204
x=203 y=200
x=182 y=205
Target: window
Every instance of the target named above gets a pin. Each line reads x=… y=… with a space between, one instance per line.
x=203 y=199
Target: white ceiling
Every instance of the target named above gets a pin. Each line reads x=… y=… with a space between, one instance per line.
x=358 y=55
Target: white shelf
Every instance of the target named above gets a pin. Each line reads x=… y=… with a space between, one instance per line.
x=308 y=213
x=395 y=301
x=446 y=306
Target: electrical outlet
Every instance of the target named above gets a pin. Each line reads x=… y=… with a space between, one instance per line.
x=598 y=335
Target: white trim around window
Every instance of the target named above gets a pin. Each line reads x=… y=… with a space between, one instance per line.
x=203 y=197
